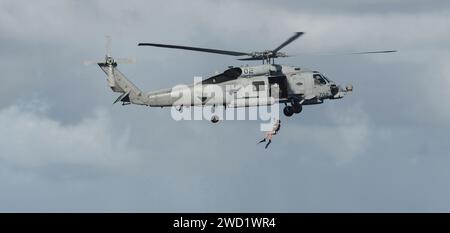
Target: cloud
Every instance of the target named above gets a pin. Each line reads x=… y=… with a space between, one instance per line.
x=346 y=137
x=135 y=20
x=31 y=139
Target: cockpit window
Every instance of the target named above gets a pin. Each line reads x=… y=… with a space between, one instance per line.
x=318 y=79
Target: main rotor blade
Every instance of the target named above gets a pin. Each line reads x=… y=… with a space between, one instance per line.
x=251 y=59
x=370 y=52
x=198 y=49
x=342 y=53
x=288 y=41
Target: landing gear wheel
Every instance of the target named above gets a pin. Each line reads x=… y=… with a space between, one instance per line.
x=179 y=108
x=214 y=119
x=288 y=111
x=297 y=108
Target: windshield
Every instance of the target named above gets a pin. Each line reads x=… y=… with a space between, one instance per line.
x=318 y=79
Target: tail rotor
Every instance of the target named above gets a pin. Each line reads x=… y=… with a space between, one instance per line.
x=109 y=60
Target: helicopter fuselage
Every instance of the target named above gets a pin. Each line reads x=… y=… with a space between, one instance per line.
x=251 y=86
x=245 y=86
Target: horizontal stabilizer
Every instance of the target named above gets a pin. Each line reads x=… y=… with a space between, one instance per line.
x=124 y=97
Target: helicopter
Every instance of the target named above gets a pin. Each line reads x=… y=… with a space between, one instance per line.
x=245 y=86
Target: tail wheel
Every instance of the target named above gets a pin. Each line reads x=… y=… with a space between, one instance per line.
x=179 y=108
x=288 y=111
x=215 y=119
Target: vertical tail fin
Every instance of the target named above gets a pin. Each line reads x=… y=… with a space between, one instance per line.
x=117 y=81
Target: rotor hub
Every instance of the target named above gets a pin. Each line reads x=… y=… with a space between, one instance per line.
x=110 y=61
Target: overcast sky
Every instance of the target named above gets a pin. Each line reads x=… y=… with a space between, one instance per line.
x=65 y=147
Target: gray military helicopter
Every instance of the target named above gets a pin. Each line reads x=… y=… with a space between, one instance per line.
x=244 y=86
